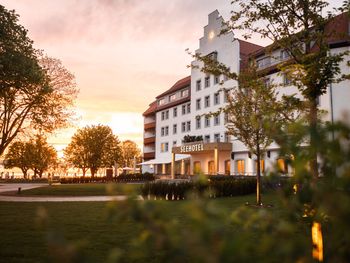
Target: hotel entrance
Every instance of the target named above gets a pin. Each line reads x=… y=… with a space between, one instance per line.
x=206 y=158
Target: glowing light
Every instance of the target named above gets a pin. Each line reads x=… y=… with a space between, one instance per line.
x=211 y=35
x=317 y=251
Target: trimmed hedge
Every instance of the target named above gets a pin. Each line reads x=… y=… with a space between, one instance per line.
x=24 y=181
x=123 y=178
x=170 y=190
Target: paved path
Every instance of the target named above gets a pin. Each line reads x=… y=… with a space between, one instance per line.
x=14 y=187
x=14 y=198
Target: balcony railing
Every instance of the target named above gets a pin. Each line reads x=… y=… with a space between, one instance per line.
x=149 y=140
x=150 y=125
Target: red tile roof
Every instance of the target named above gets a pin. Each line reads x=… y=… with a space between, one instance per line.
x=182 y=83
x=151 y=109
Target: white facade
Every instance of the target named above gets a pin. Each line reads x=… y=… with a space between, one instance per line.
x=206 y=96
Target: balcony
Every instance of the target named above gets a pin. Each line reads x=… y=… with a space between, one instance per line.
x=149 y=140
x=150 y=125
x=150 y=155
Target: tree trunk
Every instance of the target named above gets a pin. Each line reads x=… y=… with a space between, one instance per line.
x=93 y=172
x=24 y=171
x=258 y=174
x=313 y=138
x=84 y=172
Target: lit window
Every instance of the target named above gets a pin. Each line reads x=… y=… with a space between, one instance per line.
x=240 y=169
x=211 y=167
x=207 y=81
x=262 y=166
x=198 y=85
x=282 y=166
x=164 y=147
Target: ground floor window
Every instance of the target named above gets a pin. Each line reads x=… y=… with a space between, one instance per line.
x=227 y=167
x=240 y=166
x=197 y=167
x=282 y=166
x=211 y=167
x=262 y=166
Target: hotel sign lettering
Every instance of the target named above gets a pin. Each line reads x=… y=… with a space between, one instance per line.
x=192 y=148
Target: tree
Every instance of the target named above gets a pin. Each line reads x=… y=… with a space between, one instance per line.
x=253 y=113
x=130 y=153
x=93 y=147
x=35 y=91
x=42 y=155
x=189 y=138
x=19 y=155
x=299 y=28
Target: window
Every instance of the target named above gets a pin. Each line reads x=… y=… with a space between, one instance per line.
x=264 y=62
x=207 y=81
x=207 y=138
x=175 y=129
x=161 y=102
x=217 y=137
x=198 y=122
x=262 y=166
x=162 y=131
x=183 y=109
x=282 y=166
x=172 y=97
x=183 y=126
x=207 y=121
x=167 y=115
x=188 y=126
x=240 y=169
x=226 y=118
x=211 y=167
x=216 y=79
x=227 y=167
x=225 y=96
x=198 y=104
x=164 y=147
x=284 y=55
x=197 y=167
x=216 y=98
x=163 y=115
x=225 y=76
x=189 y=108
x=217 y=120
x=166 y=131
x=267 y=81
x=175 y=112
x=207 y=101
x=174 y=143
x=199 y=85
x=184 y=93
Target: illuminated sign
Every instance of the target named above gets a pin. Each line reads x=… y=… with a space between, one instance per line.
x=192 y=148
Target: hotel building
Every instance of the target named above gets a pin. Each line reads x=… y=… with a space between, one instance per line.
x=181 y=110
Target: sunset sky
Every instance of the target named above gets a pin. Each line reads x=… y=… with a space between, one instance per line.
x=122 y=52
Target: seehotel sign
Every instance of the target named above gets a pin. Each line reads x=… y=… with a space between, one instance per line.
x=199 y=147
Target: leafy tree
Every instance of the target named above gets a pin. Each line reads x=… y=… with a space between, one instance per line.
x=93 y=147
x=253 y=113
x=130 y=153
x=35 y=91
x=42 y=155
x=19 y=155
x=300 y=29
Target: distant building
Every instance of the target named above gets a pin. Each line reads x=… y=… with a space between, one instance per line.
x=180 y=110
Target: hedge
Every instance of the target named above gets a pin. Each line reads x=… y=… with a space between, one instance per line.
x=123 y=178
x=170 y=190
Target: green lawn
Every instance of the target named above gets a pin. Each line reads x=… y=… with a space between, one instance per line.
x=82 y=190
x=26 y=237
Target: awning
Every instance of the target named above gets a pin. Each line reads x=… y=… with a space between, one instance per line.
x=178 y=157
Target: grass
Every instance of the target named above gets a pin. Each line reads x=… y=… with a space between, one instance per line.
x=82 y=190
x=27 y=238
